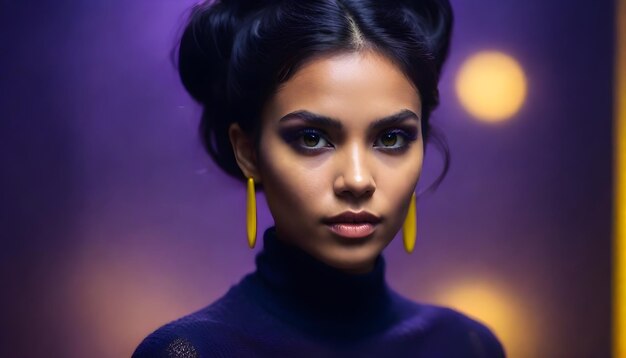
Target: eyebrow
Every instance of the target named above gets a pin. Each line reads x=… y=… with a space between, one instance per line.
x=328 y=122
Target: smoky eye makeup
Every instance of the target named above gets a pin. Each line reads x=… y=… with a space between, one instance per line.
x=397 y=139
x=306 y=140
x=308 y=132
x=310 y=140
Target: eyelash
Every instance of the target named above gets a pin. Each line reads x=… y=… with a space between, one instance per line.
x=408 y=136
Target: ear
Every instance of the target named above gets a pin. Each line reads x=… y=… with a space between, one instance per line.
x=245 y=153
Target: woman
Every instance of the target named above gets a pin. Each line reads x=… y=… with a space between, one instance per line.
x=324 y=105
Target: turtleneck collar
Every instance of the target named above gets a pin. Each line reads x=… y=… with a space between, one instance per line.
x=308 y=292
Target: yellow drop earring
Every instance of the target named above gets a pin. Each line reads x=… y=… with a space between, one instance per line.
x=409 y=228
x=251 y=213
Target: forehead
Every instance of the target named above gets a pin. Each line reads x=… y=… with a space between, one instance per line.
x=355 y=86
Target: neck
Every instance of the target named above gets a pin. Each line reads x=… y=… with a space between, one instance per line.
x=308 y=291
x=362 y=269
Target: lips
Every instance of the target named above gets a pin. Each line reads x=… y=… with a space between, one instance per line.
x=350 y=217
x=353 y=225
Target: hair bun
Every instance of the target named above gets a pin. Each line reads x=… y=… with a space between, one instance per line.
x=206 y=44
x=436 y=20
x=204 y=49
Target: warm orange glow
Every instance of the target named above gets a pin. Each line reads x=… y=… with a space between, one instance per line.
x=494 y=306
x=118 y=299
x=491 y=86
x=619 y=248
x=116 y=305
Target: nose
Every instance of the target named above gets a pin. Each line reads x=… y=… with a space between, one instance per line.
x=354 y=177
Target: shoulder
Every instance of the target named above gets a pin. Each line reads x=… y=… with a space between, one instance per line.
x=209 y=331
x=469 y=332
x=444 y=331
x=186 y=337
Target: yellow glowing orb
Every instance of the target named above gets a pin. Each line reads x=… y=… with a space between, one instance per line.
x=493 y=306
x=491 y=86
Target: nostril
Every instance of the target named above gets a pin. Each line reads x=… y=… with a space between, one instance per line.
x=357 y=191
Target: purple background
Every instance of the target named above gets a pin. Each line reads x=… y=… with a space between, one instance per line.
x=114 y=221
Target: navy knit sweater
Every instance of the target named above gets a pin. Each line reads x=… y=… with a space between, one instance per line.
x=294 y=305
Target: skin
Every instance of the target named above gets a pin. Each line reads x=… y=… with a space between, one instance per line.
x=309 y=177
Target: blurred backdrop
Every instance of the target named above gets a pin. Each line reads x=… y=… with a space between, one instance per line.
x=114 y=220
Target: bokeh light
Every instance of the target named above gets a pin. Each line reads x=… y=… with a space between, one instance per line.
x=491 y=86
x=493 y=305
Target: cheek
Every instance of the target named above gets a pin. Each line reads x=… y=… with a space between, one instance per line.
x=291 y=182
x=396 y=193
x=401 y=174
x=398 y=180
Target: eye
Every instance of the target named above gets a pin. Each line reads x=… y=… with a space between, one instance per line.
x=312 y=140
x=394 y=139
x=308 y=139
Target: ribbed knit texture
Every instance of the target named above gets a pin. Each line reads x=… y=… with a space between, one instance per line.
x=294 y=305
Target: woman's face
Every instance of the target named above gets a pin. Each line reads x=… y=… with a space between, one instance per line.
x=341 y=136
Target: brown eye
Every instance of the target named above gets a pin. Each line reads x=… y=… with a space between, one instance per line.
x=310 y=139
x=395 y=139
x=389 y=139
x=307 y=140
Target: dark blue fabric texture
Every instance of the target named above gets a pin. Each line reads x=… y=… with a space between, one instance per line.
x=294 y=305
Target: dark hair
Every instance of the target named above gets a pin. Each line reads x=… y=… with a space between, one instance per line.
x=233 y=55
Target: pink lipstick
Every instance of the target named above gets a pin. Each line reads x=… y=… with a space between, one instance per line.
x=353 y=225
